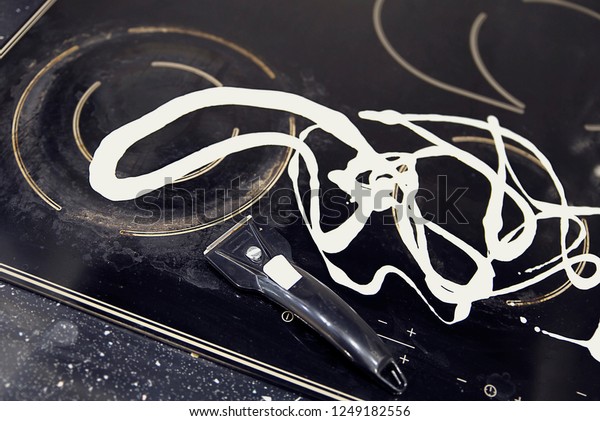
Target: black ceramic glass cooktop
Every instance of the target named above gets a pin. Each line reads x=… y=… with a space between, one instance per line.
x=438 y=169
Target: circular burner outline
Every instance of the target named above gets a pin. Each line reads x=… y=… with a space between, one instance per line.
x=586 y=244
x=147 y=30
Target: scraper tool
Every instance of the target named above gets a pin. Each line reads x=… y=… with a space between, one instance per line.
x=260 y=260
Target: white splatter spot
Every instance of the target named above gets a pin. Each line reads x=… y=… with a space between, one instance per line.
x=60 y=384
x=157 y=363
x=523 y=320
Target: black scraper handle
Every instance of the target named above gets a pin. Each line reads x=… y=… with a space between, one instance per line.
x=324 y=311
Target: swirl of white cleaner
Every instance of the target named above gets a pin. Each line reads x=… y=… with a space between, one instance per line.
x=385 y=177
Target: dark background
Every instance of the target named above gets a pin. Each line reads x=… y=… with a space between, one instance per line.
x=545 y=55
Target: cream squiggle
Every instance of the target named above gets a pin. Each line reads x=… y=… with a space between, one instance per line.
x=383 y=180
x=592 y=344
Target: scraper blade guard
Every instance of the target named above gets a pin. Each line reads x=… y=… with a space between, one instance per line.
x=228 y=253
